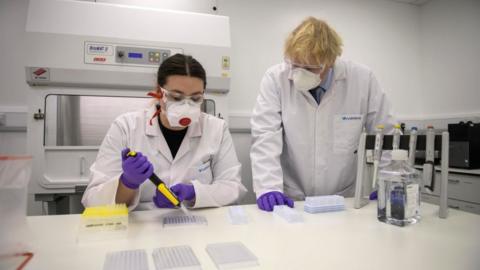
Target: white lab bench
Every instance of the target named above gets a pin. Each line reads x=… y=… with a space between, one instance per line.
x=350 y=239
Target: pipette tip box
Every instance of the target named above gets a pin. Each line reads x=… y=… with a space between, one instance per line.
x=182 y=220
x=321 y=204
x=103 y=222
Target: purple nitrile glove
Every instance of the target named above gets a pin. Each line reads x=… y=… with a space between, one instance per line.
x=373 y=195
x=267 y=201
x=136 y=169
x=161 y=201
x=182 y=191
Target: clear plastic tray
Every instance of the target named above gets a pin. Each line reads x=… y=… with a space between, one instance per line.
x=237 y=215
x=231 y=255
x=177 y=257
x=126 y=260
x=288 y=214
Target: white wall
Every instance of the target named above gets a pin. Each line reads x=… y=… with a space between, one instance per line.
x=381 y=34
x=13 y=14
x=450 y=58
x=417 y=52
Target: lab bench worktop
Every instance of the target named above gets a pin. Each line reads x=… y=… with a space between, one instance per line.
x=349 y=239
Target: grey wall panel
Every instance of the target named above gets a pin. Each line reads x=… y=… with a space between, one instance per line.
x=242 y=142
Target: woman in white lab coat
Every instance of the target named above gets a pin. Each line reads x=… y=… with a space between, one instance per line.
x=192 y=152
x=308 y=118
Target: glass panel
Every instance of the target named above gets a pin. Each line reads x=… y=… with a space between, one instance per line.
x=74 y=120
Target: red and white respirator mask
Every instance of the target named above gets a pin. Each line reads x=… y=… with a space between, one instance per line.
x=180 y=110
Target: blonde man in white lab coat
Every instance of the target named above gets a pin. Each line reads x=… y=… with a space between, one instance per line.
x=308 y=117
x=192 y=152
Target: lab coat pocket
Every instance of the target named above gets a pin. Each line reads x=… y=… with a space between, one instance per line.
x=346 y=132
x=202 y=172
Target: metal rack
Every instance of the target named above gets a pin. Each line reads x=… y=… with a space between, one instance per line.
x=440 y=143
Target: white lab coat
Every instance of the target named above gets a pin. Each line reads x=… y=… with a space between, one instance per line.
x=305 y=149
x=206 y=158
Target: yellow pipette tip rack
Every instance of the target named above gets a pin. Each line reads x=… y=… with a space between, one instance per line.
x=103 y=222
x=380 y=126
x=104 y=211
x=396 y=126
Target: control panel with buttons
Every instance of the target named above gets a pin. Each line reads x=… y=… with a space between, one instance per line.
x=142 y=56
x=111 y=54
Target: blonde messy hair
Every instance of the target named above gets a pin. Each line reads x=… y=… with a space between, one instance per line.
x=313 y=42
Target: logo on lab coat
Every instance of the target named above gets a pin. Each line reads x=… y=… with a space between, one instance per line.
x=204 y=166
x=351 y=117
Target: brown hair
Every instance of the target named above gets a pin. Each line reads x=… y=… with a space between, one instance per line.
x=180 y=64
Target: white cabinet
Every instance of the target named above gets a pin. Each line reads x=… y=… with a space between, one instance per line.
x=463 y=190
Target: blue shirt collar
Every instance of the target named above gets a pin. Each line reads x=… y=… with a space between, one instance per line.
x=327 y=82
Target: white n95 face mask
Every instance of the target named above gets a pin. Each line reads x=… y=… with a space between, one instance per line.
x=183 y=113
x=304 y=80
